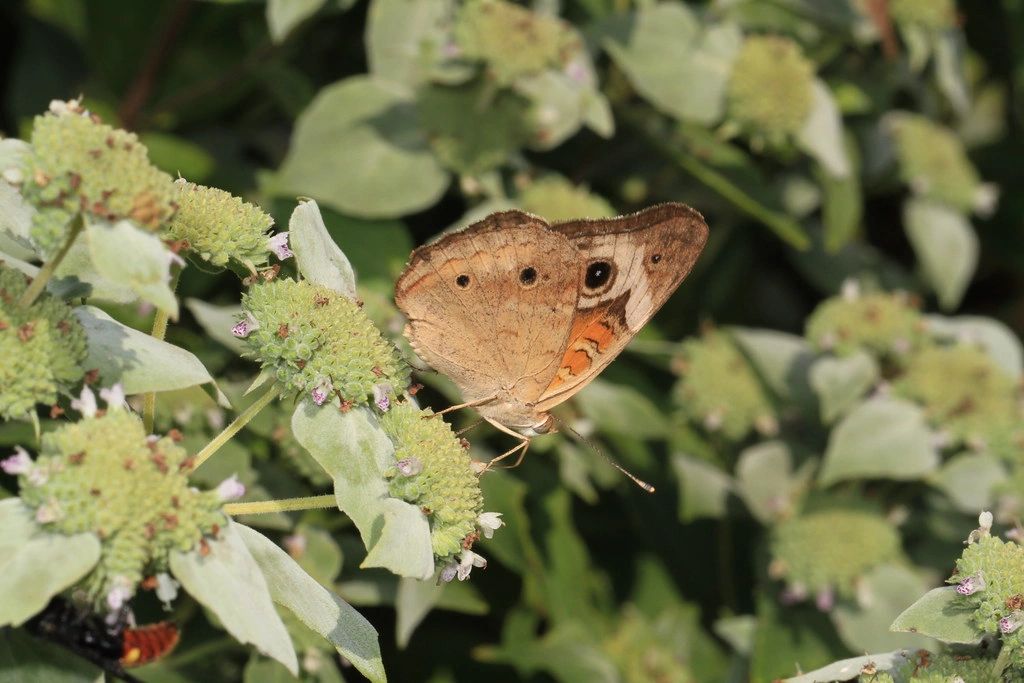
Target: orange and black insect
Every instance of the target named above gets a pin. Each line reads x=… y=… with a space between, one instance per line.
x=148 y=643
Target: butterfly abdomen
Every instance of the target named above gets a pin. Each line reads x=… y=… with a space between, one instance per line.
x=148 y=643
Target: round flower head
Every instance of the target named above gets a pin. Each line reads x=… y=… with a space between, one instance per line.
x=770 y=89
x=827 y=550
x=512 y=40
x=104 y=476
x=962 y=390
x=220 y=227
x=933 y=162
x=79 y=164
x=945 y=667
x=645 y=650
x=990 y=576
x=720 y=390
x=42 y=347
x=883 y=324
x=432 y=470
x=318 y=342
x=557 y=199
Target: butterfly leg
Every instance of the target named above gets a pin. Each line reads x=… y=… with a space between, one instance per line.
x=468 y=404
x=521 y=447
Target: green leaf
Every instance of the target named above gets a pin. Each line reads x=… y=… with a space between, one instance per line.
x=703 y=488
x=129 y=256
x=882 y=438
x=822 y=134
x=319 y=259
x=849 y=669
x=321 y=556
x=178 y=156
x=78 y=276
x=993 y=336
x=24 y=659
x=561 y=104
x=377 y=250
x=621 y=409
x=217 y=322
x=781 y=360
x=843 y=209
x=413 y=601
x=790 y=638
x=355 y=452
x=36 y=565
x=950 y=69
x=940 y=613
x=679 y=66
x=15 y=217
x=970 y=480
x=765 y=480
x=566 y=653
x=841 y=382
x=138 y=361
x=315 y=606
x=403 y=37
x=285 y=15
x=882 y=594
x=230 y=583
x=946 y=247
x=358 y=148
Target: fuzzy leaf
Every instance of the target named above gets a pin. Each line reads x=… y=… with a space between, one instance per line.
x=355 y=452
x=764 y=479
x=315 y=606
x=883 y=593
x=138 y=361
x=217 y=322
x=969 y=479
x=621 y=409
x=15 y=217
x=319 y=259
x=284 y=15
x=413 y=601
x=24 y=659
x=129 y=256
x=882 y=438
x=402 y=35
x=849 y=669
x=36 y=565
x=841 y=382
x=946 y=247
x=703 y=488
x=229 y=582
x=940 y=614
x=355 y=145
x=780 y=359
x=822 y=134
x=997 y=340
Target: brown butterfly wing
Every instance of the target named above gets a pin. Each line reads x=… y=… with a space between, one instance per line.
x=648 y=254
x=478 y=315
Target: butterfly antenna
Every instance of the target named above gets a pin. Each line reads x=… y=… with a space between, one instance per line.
x=635 y=479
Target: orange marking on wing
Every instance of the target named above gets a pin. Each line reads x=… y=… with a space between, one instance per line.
x=577 y=361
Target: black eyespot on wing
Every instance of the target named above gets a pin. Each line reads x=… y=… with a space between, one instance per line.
x=655 y=258
x=598 y=274
x=462 y=281
x=528 y=276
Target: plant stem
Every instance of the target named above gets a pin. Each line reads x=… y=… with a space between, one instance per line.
x=284 y=505
x=46 y=272
x=236 y=425
x=159 y=332
x=783 y=225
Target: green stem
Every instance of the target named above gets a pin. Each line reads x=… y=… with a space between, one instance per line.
x=46 y=272
x=236 y=425
x=159 y=332
x=783 y=225
x=262 y=507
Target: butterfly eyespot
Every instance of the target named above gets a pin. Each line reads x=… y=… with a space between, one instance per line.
x=598 y=274
x=462 y=281
x=655 y=258
x=528 y=276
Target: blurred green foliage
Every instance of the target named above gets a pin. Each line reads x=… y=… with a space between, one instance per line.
x=821 y=438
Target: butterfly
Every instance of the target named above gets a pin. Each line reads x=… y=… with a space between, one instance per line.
x=521 y=314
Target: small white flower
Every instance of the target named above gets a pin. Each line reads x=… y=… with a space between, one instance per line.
x=19 y=463
x=793 y=593
x=1012 y=622
x=230 y=488
x=48 y=512
x=448 y=573
x=986 y=199
x=825 y=599
x=295 y=544
x=468 y=560
x=321 y=391
x=120 y=593
x=166 y=588
x=975 y=583
x=713 y=420
x=381 y=398
x=243 y=328
x=279 y=245
x=409 y=467
x=850 y=290
x=983 y=530
x=489 y=522
x=85 y=403
x=114 y=397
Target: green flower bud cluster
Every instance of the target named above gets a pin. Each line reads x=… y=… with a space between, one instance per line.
x=770 y=90
x=103 y=475
x=434 y=472
x=557 y=199
x=720 y=390
x=962 y=390
x=42 y=347
x=512 y=40
x=829 y=549
x=79 y=164
x=1000 y=566
x=218 y=226
x=316 y=340
x=935 y=15
x=933 y=162
x=925 y=667
x=643 y=652
x=885 y=324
